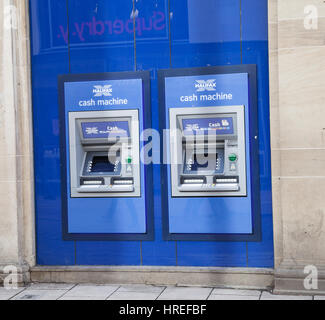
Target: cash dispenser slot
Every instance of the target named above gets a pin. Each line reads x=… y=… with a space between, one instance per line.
x=193 y=180
x=92 y=182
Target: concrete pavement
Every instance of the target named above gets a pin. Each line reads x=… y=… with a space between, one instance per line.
x=138 y=292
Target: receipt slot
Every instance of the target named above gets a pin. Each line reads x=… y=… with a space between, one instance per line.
x=208 y=153
x=104 y=154
x=106 y=191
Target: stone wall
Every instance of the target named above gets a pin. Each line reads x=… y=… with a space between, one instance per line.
x=298 y=137
x=16 y=165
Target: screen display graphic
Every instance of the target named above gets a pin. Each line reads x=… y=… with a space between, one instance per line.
x=208 y=126
x=107 y=129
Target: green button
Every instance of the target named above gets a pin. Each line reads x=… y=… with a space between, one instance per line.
x=233 y=157
x=129 y=160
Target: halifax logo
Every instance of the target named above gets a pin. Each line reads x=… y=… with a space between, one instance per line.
x=100 y=91
x=206 y=85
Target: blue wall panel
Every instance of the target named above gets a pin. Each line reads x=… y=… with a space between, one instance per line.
x=221 y=46
x=153 y=53
x=255 y=50
x=101 y=36
x=49 y=57
x=91 y=36
x=103 y=51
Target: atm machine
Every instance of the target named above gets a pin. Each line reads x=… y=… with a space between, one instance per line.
x=105 y=188
x=208 y=153
x=210 y=180
x=104 y=154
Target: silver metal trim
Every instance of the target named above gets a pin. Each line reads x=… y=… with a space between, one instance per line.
x=176 y=156
x=78 y=149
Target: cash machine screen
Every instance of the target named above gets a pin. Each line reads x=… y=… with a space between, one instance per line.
x=207 y=126
x=201 y=162
x=106 y=129
x=102 y=164
x=98 y=164
x=204 y=163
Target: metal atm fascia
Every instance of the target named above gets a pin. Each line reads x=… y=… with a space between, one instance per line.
x=235 y=144
x=80 y=149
